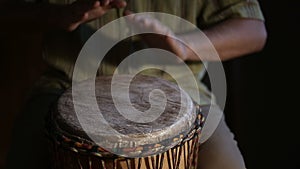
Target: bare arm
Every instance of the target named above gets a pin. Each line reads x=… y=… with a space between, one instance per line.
x=231 y=38
x=43 y=16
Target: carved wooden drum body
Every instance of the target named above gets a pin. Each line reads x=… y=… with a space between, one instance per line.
x=169 y=141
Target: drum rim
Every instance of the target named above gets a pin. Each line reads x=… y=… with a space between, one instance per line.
x=79 y=140
x=84 y=146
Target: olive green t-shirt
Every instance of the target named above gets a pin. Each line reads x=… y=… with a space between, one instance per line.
x=62 y=48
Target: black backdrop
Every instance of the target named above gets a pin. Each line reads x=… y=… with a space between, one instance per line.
x=262 y=107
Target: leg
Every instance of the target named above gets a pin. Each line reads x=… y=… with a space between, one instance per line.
x=221 y=150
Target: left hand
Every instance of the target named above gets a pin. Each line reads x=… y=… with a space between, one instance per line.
x=81 y=11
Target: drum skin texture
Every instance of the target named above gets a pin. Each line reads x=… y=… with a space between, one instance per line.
x=170 y=141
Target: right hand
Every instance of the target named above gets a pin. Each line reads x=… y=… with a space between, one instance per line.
x=162 y=36
x=82 y=11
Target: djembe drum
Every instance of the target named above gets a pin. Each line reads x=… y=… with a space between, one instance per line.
x=170 y=141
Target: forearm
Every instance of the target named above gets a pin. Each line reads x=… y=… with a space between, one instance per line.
x=44 y=17
x=232 y=38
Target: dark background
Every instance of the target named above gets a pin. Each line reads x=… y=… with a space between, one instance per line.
x=261 y=109
x=263 y=103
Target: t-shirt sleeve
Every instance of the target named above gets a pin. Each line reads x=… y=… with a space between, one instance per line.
x=215 y=11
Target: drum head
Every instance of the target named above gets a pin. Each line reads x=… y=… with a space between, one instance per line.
x=175 y=122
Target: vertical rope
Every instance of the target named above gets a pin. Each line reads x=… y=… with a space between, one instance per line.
x=157 y=160
x=127 y=163
x=176 y=155
x=188 y=153
x=153 y=162
x=115 y=164
x=197 y=150
x=139 y=163
x=90 y=162
x=179 y=157
x=173 y=157
x=161 y=161
x=169 y=159
x=103 y=164
x=147 y=163
x=185 y=155
x=78 y=160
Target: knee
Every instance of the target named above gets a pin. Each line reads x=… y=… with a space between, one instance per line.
x=221 y=151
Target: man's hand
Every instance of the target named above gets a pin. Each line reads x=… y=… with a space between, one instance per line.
x=81 y=11
x=163 y=36
x=231 y=38
x=42 y=17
